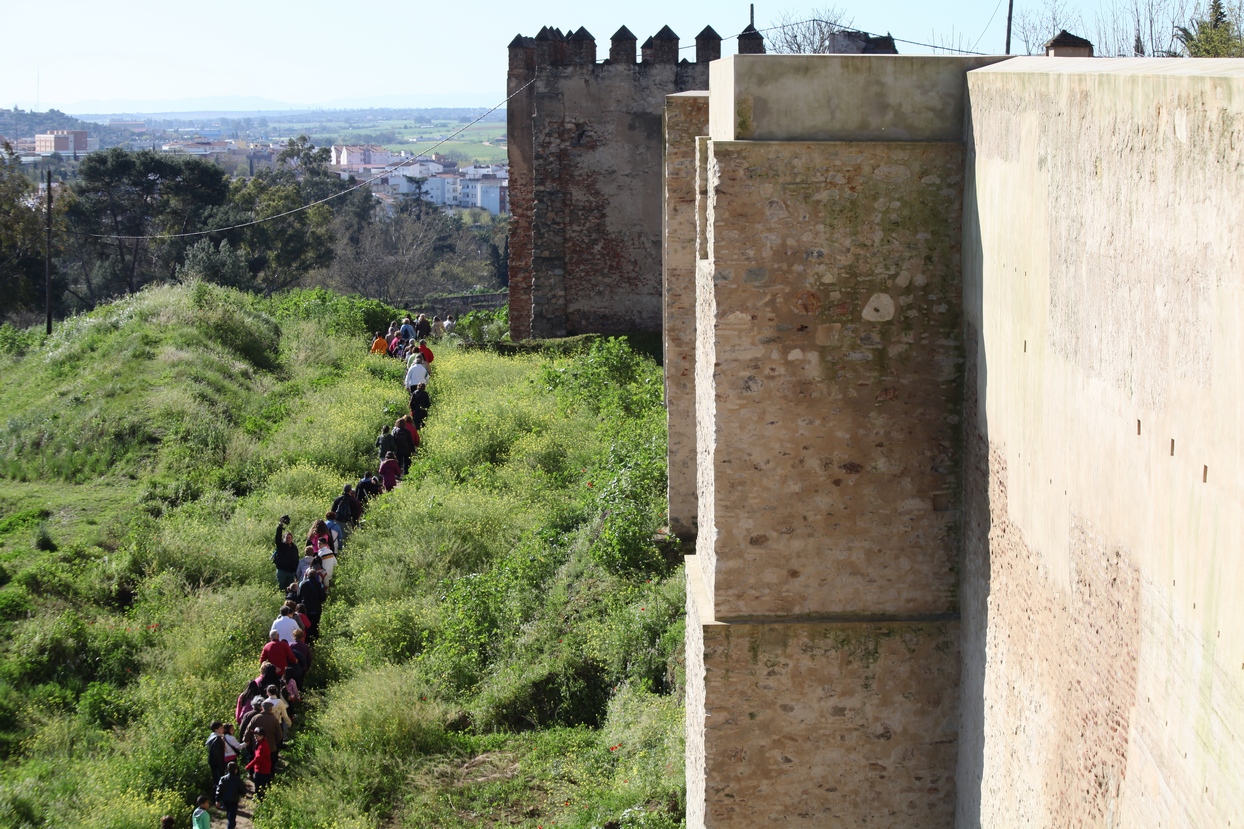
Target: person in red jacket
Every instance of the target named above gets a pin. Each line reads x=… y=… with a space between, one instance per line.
x=426 y=352
x=277 y=652
x=408 y=423
x=260 y=765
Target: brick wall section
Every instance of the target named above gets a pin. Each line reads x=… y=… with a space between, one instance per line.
x=586 y=256
x=835 y=377
x=686 y=117
x=518 y=125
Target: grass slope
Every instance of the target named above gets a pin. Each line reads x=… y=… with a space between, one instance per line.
x=503 y=643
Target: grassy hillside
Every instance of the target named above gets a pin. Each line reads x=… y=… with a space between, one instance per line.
x=503 y=641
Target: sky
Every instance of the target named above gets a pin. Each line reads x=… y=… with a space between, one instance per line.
x=144 y=55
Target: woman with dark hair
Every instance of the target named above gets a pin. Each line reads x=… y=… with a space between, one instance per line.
x=285 y=556
x=319 y=530
x=311 y=594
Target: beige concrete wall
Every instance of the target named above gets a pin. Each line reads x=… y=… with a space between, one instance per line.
x=839 y=97
x=1103 y=636
x=686 y=117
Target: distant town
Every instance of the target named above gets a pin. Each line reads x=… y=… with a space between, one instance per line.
x=469 y=174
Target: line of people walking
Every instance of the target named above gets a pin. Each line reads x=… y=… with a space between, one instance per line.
x=264 y=712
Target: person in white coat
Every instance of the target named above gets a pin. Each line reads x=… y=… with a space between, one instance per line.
x=416 y=374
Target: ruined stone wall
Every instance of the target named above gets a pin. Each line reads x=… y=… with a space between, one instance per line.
x=518 y=125
x=585 y=250
x=1103 y=639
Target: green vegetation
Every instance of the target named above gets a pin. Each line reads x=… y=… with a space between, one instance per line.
x=1217 y=35
x=134 y=219
x=503 y=642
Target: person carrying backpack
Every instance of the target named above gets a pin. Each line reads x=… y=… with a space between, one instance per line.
x=311 y=594
x=420 y=404
x=344 y=507
x=405 y=446
x=336 y=532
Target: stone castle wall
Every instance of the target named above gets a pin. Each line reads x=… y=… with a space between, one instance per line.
x=823 y=638
x=967 y=497
x=1103 y=639
x=585 y=145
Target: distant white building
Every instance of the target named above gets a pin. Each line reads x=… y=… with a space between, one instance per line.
x=358 y=155
x=481 y=170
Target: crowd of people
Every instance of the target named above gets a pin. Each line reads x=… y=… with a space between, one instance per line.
x=244 y=754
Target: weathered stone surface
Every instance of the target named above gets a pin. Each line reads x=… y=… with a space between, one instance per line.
x=1091 y=504
x=686 y=117
x=821 y=724
x=586 y=148
x=1103 y=642
x=840 y=97
x=835 y=377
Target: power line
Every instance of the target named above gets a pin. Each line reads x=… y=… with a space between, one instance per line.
x=318 y=202
x=987 y=25
x=842 y=28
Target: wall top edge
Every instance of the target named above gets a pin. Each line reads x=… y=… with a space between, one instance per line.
x=773 y=58
x=691 y=93
x=1171 y=67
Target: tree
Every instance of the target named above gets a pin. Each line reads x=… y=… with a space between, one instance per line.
x=1214 y=36
x=21 y=238
x=223 y=265
x=399 y=257
x=1035 y=25
x=816 y=32
x=122 y=203
x=281 y=251
x=1139 y=28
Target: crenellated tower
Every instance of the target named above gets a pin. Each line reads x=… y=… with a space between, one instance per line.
x=585 y=149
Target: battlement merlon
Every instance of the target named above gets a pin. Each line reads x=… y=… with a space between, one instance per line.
x=550 y=47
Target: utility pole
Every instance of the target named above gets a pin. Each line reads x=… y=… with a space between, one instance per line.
x=1010 y=9
x=47 y=256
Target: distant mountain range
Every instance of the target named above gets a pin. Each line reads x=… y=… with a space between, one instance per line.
x=238 y=105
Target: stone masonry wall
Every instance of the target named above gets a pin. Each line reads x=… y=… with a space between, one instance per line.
x=862 y=725
x=1103 y=637
x=828 y=397
x=686 y=117
x=836 y=377
x=586 y=256
x=518 y=125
